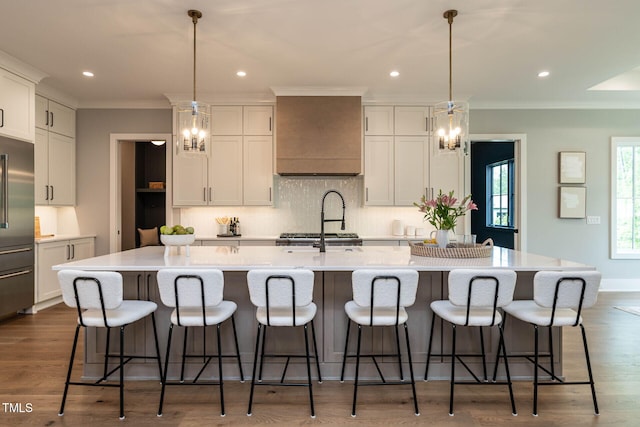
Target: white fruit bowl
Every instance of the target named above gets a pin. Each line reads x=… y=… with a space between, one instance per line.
x=177 y=239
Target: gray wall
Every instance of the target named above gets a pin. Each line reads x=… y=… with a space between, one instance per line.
x=549 y=132
x=93 y=130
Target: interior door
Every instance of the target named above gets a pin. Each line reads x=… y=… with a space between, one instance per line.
x=493 y=186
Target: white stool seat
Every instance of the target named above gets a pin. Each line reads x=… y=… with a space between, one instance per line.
x=192 y=316
x=280 y=316
x=529 y=311
x=128 y=312
x=478 y=316
x=382 y=316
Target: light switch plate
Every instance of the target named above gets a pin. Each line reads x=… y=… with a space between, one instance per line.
x=591 y=220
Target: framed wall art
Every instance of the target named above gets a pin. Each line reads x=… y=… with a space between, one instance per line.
x=572 y=167
x=572 y=202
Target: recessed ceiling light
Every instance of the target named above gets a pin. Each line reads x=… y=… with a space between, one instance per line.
x=394 y=73
x=87 y=73
x=543 y=74
x=241 y=73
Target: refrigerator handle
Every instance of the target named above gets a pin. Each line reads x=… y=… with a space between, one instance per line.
x=4 y=221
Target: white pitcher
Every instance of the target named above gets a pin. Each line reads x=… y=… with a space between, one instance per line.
x=441 y=236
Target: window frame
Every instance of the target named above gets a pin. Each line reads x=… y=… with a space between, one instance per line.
x=510 y=194
x=615 y=252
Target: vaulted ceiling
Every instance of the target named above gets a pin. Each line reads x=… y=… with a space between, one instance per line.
x=140 y=50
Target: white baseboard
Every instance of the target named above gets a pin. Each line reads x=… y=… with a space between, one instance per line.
x=42 y=305
x=620 y=285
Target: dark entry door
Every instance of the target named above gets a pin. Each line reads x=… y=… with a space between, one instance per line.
x=493 y=190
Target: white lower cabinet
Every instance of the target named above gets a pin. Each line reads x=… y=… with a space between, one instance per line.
x=56 y=252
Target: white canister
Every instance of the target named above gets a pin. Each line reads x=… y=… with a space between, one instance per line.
x=411 y=230
x=397 y=227
x=420 y=231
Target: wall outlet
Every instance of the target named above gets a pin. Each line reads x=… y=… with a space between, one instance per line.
x=591 y=220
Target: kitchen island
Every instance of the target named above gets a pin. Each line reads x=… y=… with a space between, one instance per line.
x=332 y=289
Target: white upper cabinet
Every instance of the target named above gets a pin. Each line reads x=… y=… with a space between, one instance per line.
x=257 y=170
x=54 y=169
x=378 y=170
x=17 y=109
x=411 y=120
x=55 y=117
x=411 y=160
x=258 y=120
x=239 y=168
x=226 y=120
x=378 y=120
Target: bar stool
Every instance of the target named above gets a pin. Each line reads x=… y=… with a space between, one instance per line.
x=283 y=298
x=98 y=297
x=474 y=299
x=380 y=298
x=558 y=300
x=196 y=296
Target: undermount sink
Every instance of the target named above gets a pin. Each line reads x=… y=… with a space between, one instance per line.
x=295 y=249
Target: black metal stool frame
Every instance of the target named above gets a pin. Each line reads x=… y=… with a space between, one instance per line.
x=206 y=357
x=307 y=356
x=373 y=356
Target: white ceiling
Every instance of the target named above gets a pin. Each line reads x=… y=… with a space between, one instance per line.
x=140 y=50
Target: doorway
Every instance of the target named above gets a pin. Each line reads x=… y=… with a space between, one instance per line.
x=130 y=208
x=496 y=172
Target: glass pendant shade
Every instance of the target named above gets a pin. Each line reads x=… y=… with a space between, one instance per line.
x=452 y=124
x=193 y=123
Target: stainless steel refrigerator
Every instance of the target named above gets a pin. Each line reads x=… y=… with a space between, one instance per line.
x=16 y=226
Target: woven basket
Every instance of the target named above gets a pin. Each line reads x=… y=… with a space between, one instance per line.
x=482 y=250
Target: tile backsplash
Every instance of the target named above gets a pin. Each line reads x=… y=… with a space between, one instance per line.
x=297 y=205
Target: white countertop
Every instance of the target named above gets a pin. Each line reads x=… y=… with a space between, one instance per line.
x=243 y=258
x=59 y=237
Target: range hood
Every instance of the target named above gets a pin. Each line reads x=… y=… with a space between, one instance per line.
x=318 y=135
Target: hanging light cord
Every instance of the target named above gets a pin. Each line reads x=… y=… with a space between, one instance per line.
x=194 y=14
x=449 y=14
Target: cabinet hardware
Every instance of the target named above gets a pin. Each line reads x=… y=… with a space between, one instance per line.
x=204 y=194
x=210 y=194
x=269 y=193
x=1 y=117
x=366 y=194
x=269 y=124
x=426 y=124
x=51 y=186
x=5 y=190
x=68 y=252
x=46 y=113
x=366 y=124
x=17 y=273
x=46 y=192
x=73 y=251
x=51 y=124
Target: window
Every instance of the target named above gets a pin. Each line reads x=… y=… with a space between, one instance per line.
x=625 y=197
x=500 y=183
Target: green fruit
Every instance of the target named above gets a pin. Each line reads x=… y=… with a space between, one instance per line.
x=163 y=229
x=190 y=230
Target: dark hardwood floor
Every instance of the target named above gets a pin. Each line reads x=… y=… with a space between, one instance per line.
x=34 y=354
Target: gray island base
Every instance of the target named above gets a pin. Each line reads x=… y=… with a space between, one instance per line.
x=332 y=290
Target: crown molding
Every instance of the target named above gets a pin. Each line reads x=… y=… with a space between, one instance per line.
x=20 y=68
x=319 y=90
x=240 y=98
x=56 y=95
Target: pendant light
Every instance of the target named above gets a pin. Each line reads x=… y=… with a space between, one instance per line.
x=452 y=117
x=193 y=121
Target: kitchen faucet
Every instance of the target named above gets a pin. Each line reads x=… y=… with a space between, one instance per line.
x=322 y=220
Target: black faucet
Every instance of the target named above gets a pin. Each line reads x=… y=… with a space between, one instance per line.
x=322 y=220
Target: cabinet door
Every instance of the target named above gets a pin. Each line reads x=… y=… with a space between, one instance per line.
x=378 y=170
x=446 y=172
x=82 y=248
x=62 y=170
x=225 y=170
x=42 y=112
x=190 y=185
x=258 y=170
x=410 y=159
x=62 y=119
x=50 y=254
x=226 y=120
x=378 y=120
x=17 y=106
x=412 y=120
x=258 y=120
x=41 y=167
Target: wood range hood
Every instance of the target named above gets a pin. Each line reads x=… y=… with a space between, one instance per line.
x=318 y=135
